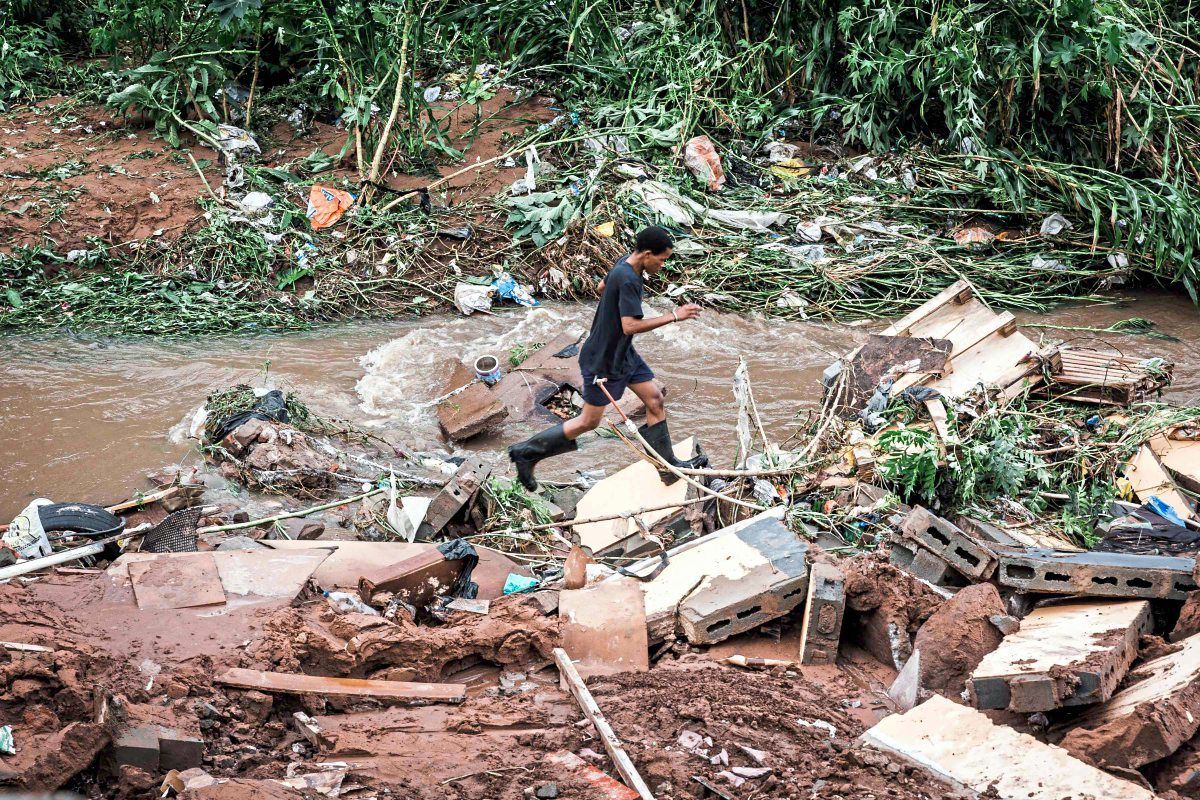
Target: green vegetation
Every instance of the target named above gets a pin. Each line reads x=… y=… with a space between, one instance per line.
x=977 y=112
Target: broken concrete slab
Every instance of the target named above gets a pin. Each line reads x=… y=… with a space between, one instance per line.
x=764 y=576
x=473 y=410
x=823 y=612
x=1148 y=720
x=603 y=627
x=689 y=566
x=457 y=492
x=303 y=529
x=1063 y=655
x=963 y=746
x=295 y=683
x=1098 y=574
x=950 y=543
x=166 y=583
x=137 y=746
x=632 y=489
x=526 y=388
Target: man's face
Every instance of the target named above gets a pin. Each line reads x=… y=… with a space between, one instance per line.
x=653 y=262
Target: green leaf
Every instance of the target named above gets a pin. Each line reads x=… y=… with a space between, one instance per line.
x=14 y=299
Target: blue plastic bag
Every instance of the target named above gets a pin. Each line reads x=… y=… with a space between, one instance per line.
x=509 y=289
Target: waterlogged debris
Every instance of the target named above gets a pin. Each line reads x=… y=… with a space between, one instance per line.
x=472 y=297
x=232 y=140
x=505 y=286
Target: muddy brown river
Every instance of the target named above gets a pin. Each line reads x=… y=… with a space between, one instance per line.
x=85 y=420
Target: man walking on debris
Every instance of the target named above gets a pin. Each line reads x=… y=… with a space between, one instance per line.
x=608 y=356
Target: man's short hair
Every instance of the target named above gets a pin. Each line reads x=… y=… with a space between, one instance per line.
x=654 y=239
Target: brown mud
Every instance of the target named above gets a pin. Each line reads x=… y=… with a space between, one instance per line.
x=73 y=173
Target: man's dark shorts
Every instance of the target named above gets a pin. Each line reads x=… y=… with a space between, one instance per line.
x=593 y=395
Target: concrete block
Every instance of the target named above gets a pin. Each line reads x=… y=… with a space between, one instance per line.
x=922 y=564
x=473 y=410
x=1098 y=574
x=1157 y=712
x=821 y=630
x=990 y=534
x=1063 y=655
x=964 y=747
x=765 y=586
x=950 y=543
x=137 y=747
x=179 y=749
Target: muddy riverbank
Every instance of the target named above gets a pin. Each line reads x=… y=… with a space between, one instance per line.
x=85 y=419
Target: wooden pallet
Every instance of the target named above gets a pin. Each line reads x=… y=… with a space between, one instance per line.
x=1092 y=376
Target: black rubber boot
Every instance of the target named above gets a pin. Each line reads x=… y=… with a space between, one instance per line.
x=550 y=442
x=659 y=439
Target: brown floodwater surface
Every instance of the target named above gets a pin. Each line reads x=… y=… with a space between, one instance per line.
x=85 y=421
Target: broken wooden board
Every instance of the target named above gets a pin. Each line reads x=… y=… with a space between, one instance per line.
x=633 y=488
x=604 y=627
x=1149 y=478
x=457 y=493
x=1064 y=655
x=961 y=745
x=986 y=349
x=1147 y=721
x=473 y=410
x=1181 y=457
x=1092 y=376
x=177 y=583
x=295 y=683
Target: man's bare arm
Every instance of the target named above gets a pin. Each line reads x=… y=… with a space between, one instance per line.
x=633 y=325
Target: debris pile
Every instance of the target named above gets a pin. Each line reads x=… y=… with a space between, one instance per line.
x=963 y=579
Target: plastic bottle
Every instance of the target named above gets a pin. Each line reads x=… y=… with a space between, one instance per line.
x=347 y=602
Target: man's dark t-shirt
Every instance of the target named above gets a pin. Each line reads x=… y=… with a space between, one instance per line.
x=608 y=351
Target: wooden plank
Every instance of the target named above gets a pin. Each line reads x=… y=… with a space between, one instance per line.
x=592 y=711
x=1149 y=478
x=988 y=362
x=604 y=627
x=295 y=683
x=947 y=295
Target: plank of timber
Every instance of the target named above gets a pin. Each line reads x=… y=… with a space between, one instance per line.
x=295 y=683
x=1149 y=478
x=966 y=748
x=591 y=710
x=986 y=362
x=947 y=295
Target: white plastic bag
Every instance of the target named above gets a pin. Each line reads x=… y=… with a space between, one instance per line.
x=26 y=535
